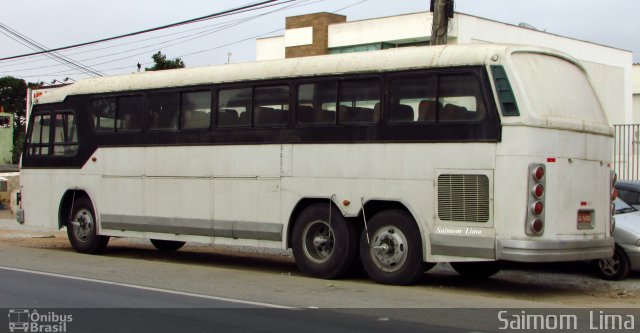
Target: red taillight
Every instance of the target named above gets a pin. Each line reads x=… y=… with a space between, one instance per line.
x=538 y=191
x=536 y=226
x=537 y=208
x=538 y=173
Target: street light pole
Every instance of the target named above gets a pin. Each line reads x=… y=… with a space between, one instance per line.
x=442 y=11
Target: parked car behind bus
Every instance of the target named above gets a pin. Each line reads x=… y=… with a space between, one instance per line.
x=626 y=256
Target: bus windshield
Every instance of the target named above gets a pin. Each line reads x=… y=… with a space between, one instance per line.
x=559 y=92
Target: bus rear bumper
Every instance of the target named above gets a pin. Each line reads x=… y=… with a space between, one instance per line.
x=552 y=251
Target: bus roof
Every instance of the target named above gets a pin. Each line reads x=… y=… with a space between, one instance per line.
x=370 y=62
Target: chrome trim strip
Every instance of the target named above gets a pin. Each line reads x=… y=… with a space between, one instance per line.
x=463 y=246
x=196 y=227
x=551 y=251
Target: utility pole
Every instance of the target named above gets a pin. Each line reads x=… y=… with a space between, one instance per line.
x=442 y=10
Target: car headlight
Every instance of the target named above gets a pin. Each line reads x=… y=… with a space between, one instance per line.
x=638 y=243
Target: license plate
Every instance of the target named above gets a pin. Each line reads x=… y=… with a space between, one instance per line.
x=584 y=220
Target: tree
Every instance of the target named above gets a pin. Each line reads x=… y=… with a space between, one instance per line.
x=161 y=63
x=13 y=94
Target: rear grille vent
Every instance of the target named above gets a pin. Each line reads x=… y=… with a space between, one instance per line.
x=463 y=198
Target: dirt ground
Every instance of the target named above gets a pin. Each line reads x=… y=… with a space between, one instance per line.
x=568 y=284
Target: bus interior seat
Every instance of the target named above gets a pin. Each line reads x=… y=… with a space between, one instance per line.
x=401 y=112
x=452 y=112
x=427 y=110
x=228 y=117
x=356 y=114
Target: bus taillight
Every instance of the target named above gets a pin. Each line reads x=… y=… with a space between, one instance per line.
x=535 y=215
x=537 y=191
x=538 y=173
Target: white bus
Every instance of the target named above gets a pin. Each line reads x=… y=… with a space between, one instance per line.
x=393 y=160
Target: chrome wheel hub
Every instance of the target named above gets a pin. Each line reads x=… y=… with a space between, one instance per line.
x=388 y=248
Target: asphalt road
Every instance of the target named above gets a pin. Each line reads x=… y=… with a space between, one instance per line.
x=89 y=305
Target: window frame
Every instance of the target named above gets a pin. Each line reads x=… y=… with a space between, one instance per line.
x=51 y=143
x=438 y=73
x=143 y=115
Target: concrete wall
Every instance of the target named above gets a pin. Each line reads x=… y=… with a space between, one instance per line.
x=13 y=184
x=610 y=68
x=635 y=88
x=6 y=140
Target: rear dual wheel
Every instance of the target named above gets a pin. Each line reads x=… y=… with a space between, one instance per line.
x=392 y=252
x=324 y=243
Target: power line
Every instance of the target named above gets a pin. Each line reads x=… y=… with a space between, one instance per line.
x=32 y=44
x=202 y=18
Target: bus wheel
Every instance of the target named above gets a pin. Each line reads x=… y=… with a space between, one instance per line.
x=81 y=229
x=614 y=268
x=393 y=252
x=477 y=269
x=323 y=247
x=167 y=245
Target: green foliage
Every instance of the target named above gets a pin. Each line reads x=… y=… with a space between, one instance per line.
x=18 y=145
x=13 y=94
x=161 y=63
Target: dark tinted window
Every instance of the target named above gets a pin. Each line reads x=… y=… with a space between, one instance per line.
x=65 y=134
x=359 y=101
x=317 y=103
x=104 y=114
x=196 y=110
x=163 y=111
x=129 y=113
x=413 y=100
x=460 y=96
x=234 y=107
x=271 y=105
x=38 y=141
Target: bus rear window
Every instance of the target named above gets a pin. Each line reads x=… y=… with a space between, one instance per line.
x=558 y=91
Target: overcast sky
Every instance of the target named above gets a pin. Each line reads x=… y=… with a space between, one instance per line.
x=59 y=23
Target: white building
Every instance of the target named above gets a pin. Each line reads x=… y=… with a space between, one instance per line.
x=325 y=33
x=635 y=88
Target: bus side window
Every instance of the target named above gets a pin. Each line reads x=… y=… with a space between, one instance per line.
x=130 y=109
x=38 y=142
x=413 y=100
x=271 y=105
x=164 y=108
x=234 y=107
x=461 y=97
x=317 y=103
x=359 y=101
x=65 y=135
x=195 y=110
x=104 y=114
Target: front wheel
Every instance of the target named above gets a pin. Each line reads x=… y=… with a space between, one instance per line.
x=82 y=228
x=392 y=254
x=614 y=268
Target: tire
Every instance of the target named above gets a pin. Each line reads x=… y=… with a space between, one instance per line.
x=393 y=252
x=322 y=250
x=477 y=270
x=167 y=245
x=614 y=268
x=82 y=228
